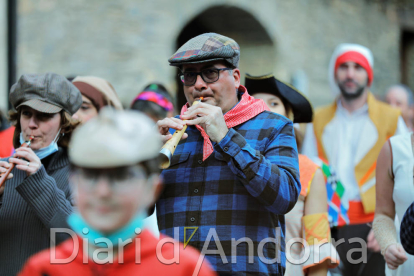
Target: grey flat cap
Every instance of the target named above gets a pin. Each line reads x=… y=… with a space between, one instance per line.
x=48 y=93
x=114 y=138
x=207 y=47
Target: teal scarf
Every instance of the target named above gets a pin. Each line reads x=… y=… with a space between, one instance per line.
x=81 y=228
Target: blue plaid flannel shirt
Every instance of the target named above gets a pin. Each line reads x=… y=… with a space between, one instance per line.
x=241 y=190
x=407 y=230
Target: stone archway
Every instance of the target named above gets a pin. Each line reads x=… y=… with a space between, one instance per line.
x=257 y=54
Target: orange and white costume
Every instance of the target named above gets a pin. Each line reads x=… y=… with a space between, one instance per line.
x=314 y=229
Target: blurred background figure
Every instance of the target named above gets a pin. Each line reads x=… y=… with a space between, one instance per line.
x=400 y=96
x=36 y=197
x=96 y=93
x=6 y=137
x=309 y=218
x=349 y=134
x=155 y=101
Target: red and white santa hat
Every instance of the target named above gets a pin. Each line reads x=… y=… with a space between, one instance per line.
x=350 y=52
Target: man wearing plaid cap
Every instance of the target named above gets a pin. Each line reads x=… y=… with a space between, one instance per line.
x=235 y=173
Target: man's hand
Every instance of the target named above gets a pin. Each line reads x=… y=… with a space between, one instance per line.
x=33 y=163
x=372 y=242
x=395 y=256
x=209 y=117
x=167 y=123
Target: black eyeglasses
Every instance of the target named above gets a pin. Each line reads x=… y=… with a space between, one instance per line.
x=208 y=75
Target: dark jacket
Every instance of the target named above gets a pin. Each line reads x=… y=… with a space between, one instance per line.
x=407 y=230
x=29 y=208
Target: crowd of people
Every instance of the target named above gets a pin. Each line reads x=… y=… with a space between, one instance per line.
x=260 y=183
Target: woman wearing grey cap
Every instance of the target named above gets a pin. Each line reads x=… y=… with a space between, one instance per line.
x=36 y=196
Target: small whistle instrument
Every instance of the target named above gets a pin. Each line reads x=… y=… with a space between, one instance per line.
x=169 y=147
x=4 y=176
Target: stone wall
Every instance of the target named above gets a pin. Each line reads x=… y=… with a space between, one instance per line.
x=128 y=42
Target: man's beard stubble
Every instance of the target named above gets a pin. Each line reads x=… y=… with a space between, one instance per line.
x=351 y=96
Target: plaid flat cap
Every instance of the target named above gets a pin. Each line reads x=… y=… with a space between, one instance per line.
x=47 y=93
x=207 y=47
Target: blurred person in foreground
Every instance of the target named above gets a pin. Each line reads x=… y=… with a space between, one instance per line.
x=154 y=101
x=394 y=193
x=36 y=197
x=96 y=93
x=235 y=174
x=400 y=96
x=349 y=134
x=115 y=178
x=6 y=137
x=309 y=218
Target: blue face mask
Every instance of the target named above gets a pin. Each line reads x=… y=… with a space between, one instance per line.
x=46 y=151
x=77 y=223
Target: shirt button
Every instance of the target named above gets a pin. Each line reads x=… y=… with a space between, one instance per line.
x=192 y=219
x=225 y=149
x=196 y=191
x=200 y=161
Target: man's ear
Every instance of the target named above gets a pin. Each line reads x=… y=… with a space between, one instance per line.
x=236 y=76
x=74 y=188
x=156 y=187
x=154 y=190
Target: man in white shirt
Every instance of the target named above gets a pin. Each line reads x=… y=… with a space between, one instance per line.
x=349 y=134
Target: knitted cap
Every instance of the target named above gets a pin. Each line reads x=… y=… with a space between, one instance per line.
x=350 y=52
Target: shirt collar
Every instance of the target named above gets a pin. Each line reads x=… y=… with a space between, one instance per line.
x=360 y=111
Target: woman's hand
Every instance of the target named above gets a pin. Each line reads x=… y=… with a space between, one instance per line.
x=372 y=242
x=395 y=256
x=33 y=163
x=4 y=166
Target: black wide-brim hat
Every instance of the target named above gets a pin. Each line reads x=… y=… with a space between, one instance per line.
x=301 y=107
